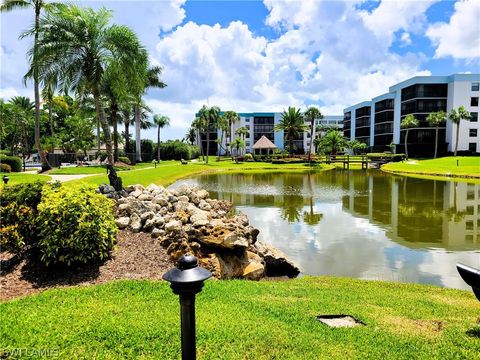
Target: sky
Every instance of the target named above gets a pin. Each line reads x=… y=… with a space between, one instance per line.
x=267 y=55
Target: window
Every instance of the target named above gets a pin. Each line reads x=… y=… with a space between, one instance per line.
x=473 y=148
x=473 y=116
x=474 y=101
x=473 y=132
x=247 y=143
x=475 y=86
x=247 y=119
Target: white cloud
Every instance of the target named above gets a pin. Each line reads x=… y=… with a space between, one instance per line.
x=460 y=37
x=405 y=38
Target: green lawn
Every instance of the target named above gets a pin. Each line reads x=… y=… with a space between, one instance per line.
x=248 y=320
x=17 y=178
x=468 y=166
x=93 y=169
x=168 y=172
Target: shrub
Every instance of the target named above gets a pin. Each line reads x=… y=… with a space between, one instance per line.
x=76 y=226
x=177 y=150
x=5 y=152
x=248 y=157
x=5 y=168
x=125 y=160
x=14 y=161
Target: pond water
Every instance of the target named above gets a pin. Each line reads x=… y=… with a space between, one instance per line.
x=366 y=225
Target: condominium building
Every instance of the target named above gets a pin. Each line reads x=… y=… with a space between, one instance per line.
x=260 y=124
x=377 y=122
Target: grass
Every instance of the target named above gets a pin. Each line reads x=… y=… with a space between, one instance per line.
x=168 y=172
x=17 y=178
x=468 y=167
x=93 y=169
x=247 y=320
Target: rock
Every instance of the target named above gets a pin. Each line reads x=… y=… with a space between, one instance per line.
x=135 y=223
x=160 y=200
x=276 y=262
x=253 y=271
x=130 y=188
x=242 y=219
x=136 y=193
x=147 y=215
x=203 y=205
x=152 y=188
x=123 y=222
x=202 y=194
x=173 y=225
x=157 y=232
x=158 y=221
x=139 y=187
x=145 y=197
x=183 y=198
x=199 y=217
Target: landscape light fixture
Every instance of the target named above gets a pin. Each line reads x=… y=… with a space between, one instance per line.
x=186 y=280
x=471 y=276
x=5 y=179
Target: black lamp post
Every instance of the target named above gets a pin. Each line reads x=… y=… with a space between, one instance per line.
x=471 y=276
x=186 y=280
x=5 y=179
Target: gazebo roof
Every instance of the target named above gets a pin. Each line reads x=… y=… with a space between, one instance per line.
x=264 y=143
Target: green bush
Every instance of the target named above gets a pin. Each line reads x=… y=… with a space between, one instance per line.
x=248 y=157
x=125 y=160
x=14 y=161
x=5 y=152
x=5 y=168
x=76 y=226
x=177 y=150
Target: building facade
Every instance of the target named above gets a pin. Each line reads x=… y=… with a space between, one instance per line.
x=260 y=124
x=377 y=122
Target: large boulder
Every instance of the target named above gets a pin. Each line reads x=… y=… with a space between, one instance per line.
x=276 y=262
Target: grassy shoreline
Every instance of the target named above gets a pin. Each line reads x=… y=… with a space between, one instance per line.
x=259 y=320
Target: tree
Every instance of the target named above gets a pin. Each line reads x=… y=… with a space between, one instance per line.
x=407 y=123
x=222 y=125
x=456 y=116
x=356 y=146
x=161 y=121
x=332 y=142
x=311 y=115
x=231 y=117
x=191 y=135
x=197 y=124
x=292 y=124
x=242 y=132
x=238 y=144
x=208 y=119
x=22 y=114
x=37 y=6
x=436 y=119
x=149 y=77
x=79 y=44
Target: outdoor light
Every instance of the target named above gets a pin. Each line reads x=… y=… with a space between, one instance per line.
x=5 y=179
x=471 y=276
x=186 y=280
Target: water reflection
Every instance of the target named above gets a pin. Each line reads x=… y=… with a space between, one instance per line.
x=364 y=225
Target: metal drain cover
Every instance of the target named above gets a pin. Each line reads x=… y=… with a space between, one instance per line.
x=337 y=321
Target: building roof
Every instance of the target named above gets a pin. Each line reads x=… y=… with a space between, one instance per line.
x=264 y=143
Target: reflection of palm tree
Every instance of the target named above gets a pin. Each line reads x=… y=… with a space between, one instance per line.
x=312 y=218
x=291 y=207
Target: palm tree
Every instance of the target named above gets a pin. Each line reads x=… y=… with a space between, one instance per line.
x=222 y=125
x=149 y=77
x=78 y=44
x=456 y=116
x=208 y=118
x=23 y=110
x=311 y=115
x=242 y=132
x=292 y=124
x=436 y=119
x=231 y=117
x=238 y=144
x=407 y=123
x=191 y=135
x=161 y=121
x=332 y=142
x=37 y=6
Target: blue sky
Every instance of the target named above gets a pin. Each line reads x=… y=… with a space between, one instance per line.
x=267 y=55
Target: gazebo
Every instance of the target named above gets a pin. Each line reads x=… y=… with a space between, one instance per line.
x=263 y=143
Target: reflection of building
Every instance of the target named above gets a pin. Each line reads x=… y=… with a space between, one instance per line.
x=377 y=122
x=263 y=123
x=446 y=214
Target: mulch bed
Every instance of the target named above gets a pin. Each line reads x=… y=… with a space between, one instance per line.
x=137 y=256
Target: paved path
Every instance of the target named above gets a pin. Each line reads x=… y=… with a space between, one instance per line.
x=63 y=178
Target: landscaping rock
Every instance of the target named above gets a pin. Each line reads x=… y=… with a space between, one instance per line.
x=123 y=222
x=135 y=223
x=136 y=193
x=276 y=262
x=173 y=225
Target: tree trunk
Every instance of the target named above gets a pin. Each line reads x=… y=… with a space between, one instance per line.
x=103 y=121
x=208 y=144
x=43 y=157
x=127 y=135
x=436 y=142
x=138 y=141
x=158 y=144
x=456 y=141
x=98 y=137
x=406 y=149
x=311 y=140
x=50 y=118
x=113 y=113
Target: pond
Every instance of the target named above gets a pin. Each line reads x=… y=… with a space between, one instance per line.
x=366 y=225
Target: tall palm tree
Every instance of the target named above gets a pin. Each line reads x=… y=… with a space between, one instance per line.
x=23 y=110
x=161 y=121
x=407 y=123
x=436 y=119
x=238 y=144
x=456 y=116
x=311 y=115
x=231 y=117
x=37 y=6
x=79 y=43
x=333 y=142
x=208 y=119
x=149 y=77
x=242 y=132
x=197 y=124
x=292 y=124
x=222 y=125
